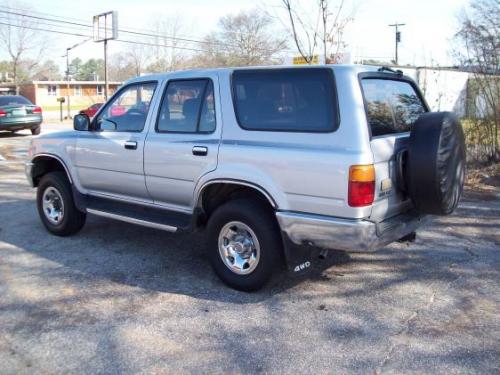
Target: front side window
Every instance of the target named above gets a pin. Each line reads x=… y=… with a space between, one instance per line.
x=129 y=109
x=294 y=100
x=392 y=106
x=188 y=107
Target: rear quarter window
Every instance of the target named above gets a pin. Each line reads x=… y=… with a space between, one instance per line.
x=392 y=106
x=290 y=100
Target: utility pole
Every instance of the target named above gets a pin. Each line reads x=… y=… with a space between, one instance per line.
x=105 y=70
x=397 y=39
x=67 y=73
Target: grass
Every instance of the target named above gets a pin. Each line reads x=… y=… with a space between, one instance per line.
x=75 y=107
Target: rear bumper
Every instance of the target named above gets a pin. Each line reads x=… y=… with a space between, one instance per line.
x=20 y=123
x=346 y=234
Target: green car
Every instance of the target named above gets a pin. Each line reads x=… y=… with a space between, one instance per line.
x=18 y=113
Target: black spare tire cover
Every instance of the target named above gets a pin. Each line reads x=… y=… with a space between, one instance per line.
x=436 y=163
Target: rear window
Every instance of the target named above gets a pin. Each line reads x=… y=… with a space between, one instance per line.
x=391 y=106
x=293 y=100
x=14 y=100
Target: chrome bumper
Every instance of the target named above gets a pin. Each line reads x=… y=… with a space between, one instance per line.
x=346 y=234
x=28 y=167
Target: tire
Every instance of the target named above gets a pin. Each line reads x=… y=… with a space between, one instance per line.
x=262 y=224
x=55 y=185
x=436 y=163
x=36 y=131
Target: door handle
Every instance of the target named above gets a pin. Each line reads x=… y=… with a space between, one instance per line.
x=200 y=150
x=131 y=145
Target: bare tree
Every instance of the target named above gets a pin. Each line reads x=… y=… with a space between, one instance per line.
x=324 y=30
x=167 y=55
x=121 y=67
x=246 y=38
x=479 y=36
x=24 y=46
x=137 y=55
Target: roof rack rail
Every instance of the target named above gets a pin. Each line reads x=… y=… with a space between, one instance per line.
x=387 y=69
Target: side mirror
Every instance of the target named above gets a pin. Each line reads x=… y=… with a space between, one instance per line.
x=81 y=122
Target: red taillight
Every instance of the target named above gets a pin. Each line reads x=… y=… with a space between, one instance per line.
x=361 y=185
x=37 y=110
x=3 y=113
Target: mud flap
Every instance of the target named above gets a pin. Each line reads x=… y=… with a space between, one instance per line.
x=300 y=259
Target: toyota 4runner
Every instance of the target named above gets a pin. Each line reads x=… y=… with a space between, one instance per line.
x=271 y=162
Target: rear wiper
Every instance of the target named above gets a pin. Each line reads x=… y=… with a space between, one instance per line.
x=387 y=69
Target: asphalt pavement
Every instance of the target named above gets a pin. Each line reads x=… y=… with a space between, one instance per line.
x=120 y=299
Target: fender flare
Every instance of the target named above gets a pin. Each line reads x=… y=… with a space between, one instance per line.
x=59 y=159
x=260 y=189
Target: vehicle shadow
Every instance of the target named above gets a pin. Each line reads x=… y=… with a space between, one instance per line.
x=8 y=134
x=141 y=257
x=158 y=261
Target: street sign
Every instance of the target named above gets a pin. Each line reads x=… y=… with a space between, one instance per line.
x=105 y=26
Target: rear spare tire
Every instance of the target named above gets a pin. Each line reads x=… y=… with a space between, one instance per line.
x=436 y=163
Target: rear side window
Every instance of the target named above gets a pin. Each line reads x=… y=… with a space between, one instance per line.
x=391 y=106
x=187 y=107
x=293 y=100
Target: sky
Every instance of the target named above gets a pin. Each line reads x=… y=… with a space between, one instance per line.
x=426 y=37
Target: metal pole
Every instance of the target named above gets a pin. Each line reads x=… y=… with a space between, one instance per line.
x=105 y=69
x=67 y=81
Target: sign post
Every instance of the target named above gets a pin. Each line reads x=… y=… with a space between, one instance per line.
x=105 y=28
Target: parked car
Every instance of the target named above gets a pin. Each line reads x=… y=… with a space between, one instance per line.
x=92 y=110
x=271 y=162
x=18 y=113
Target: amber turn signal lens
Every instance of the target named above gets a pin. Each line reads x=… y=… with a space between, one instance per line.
x=362 y=173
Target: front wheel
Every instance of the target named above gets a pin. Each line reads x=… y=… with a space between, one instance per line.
x=244 y=244
x=56 y=207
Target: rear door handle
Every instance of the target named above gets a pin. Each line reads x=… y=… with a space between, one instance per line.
x=200 y=150
x=131 y=145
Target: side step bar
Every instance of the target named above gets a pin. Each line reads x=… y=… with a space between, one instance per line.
x=132 y=220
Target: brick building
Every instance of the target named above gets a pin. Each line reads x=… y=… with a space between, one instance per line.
x=45 y=93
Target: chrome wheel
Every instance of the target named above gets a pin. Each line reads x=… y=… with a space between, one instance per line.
x=239 y=248
x=53 y=205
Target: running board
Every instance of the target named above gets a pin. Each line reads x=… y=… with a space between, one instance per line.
x=132 y=220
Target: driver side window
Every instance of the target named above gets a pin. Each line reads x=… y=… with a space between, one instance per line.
x=127 y=112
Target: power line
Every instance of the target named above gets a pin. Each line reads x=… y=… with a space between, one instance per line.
x=45 y=30
x=188 y=40
x=89 y=36
x=187 y=37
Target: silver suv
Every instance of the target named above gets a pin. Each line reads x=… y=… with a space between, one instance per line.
x=272 y=162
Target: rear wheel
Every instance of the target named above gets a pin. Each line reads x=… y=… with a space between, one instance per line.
x=56 y=207
x=36 y=131
x=244 y=244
